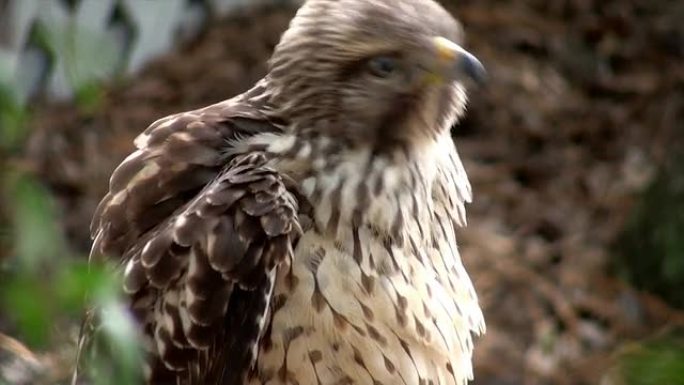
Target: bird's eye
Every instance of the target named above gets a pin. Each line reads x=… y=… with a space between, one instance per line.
x=383 y=66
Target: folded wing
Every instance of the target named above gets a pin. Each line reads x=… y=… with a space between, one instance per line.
x=200 y=234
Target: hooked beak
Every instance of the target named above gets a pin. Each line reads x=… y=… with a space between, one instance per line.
x=455 y=63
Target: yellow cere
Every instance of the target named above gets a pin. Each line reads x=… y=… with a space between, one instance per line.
x=446 y=49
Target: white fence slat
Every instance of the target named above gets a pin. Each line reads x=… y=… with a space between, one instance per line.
x=86 y=46
x=156 y=23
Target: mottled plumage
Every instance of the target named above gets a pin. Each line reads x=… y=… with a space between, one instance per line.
x=304 y=232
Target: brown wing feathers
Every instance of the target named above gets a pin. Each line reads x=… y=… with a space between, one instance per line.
x=200 y=235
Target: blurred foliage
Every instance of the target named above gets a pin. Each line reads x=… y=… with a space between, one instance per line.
x=658 y=362
x=114 y=356
x=12 y=118
x=651 y=249
x=44 y=287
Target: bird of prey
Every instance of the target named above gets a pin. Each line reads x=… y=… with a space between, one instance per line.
x=304 y=232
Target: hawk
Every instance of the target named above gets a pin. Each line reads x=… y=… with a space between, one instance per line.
x=304 y=232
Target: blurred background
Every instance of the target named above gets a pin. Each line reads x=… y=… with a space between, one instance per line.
x=575 y=150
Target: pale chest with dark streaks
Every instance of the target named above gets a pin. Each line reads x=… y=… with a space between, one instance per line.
x=376 y=293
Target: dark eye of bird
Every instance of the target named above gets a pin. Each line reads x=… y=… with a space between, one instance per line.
x=383 y=66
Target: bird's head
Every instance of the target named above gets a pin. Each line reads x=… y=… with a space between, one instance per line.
x=372 y=71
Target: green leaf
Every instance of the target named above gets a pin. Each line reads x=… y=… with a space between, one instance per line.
x=37 y=239
x=650 y=251
x=654 y=363
x=12 y=120
x=120 y=355
x=89 y=96
x=26 y=304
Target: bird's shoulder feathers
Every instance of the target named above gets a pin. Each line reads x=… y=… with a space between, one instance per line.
x=200 y=231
